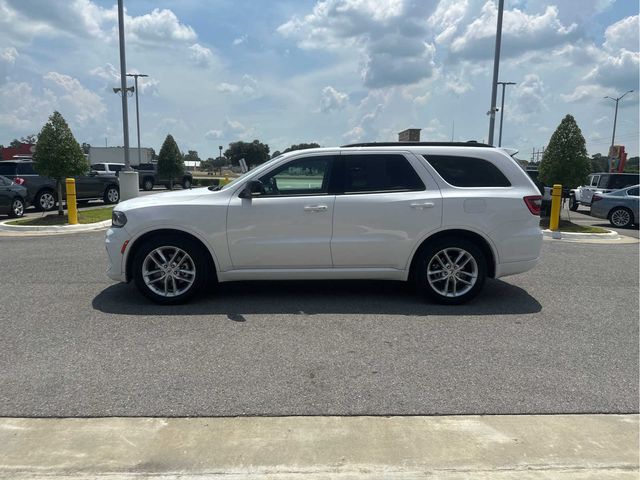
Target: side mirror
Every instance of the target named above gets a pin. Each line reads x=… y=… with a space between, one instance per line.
x=253 y=188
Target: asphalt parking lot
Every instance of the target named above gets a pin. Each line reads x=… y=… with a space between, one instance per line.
x=562 y=338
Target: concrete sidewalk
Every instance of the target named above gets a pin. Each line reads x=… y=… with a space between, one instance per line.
x=452 y=448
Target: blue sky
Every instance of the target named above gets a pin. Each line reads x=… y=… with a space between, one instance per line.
x=328 y=71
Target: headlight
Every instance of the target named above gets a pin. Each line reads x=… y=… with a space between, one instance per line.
x=118 y=219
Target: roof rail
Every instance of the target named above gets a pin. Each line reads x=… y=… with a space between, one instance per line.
x=470 y=143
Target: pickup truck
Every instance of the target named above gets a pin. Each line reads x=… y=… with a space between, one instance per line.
x=42 y=191
x=148 y=177
x=600 y=183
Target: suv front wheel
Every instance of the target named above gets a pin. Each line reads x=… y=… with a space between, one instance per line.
x=170 y=269
x=451 y=270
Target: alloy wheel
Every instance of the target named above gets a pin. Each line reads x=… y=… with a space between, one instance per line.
x=168 y=271
x=47 y=201
x=620 y=218
x=452 y=272
x=17 y=207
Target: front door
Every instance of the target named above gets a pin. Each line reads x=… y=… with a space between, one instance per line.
x=289 y=224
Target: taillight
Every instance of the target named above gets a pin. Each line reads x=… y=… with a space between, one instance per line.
x=534 y=202
x=18 y=181
x=596 y=198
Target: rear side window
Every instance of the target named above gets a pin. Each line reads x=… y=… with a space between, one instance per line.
x=5 y=181
x=115 y=168
x=8 y=169
x=633 y=192
x=379 y=173
x=98 y=167
x=622 y=181
x=26 y=169
x=467 y=171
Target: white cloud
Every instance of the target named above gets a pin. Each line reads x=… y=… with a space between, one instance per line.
x=201 y=56
x=75 y=99
x=585 y=93
x=213 y=134
x=23 y=110
x=622 y=35
x=240 y=40
x=389 y=35
x=618 y=71
x=332 y=100
x=228 y=88
x=529 y=97
x=9 y=55
x=159 y=26
x=521 y=32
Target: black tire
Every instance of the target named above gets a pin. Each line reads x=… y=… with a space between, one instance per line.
x=198 y=262
x=147 y=184
x=621 y=217
x=46 y=200
x=17 y=207
x=168 y=186
x=186 y=183
x=573 y=204
x=474 y=271
x=111 y=195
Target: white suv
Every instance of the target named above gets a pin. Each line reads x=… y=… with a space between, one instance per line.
x=445 y=216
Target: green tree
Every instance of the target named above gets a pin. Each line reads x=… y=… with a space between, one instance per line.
x=565 y=160
x=15 y=143
x=85 y=148
x=219 y=163
x=58 y=155
x=632 y=165
x=275 y=154
x=599 y=163
x=170 y=164
x=254 y=153
x=192 y=156
x=30 y=139
x=301 y=146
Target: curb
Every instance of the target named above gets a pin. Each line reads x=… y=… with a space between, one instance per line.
x=52 y=229
x=557 y=235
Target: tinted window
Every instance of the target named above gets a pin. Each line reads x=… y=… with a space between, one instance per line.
x=304 y=176
x=621 y=181
x=5 y=181
x=633 y=191
x=7 y=169
x=467 y=171
x=26 y=169
x=594 y=181
x=115 y=168
x=98 y=167
x=378 y=173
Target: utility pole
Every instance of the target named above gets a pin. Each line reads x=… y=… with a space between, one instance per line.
x=504 y=84
x=615 y=119
x=135 y=79
x=128 y=177
x=496 y=67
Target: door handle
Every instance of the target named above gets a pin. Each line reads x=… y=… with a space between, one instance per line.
x=315 y=208
x=422 y=206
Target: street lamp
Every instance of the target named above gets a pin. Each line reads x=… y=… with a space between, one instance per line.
x=496 y=66
x=135 y=77
x=220 y=147
x=504 y=84
x=615 y=119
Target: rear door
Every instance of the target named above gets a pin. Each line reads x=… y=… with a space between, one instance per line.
x=5 y=194
x=383 y=208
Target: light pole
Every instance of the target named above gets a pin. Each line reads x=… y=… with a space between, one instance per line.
x=615 y=119
x=135 y=78
x=128 y=178
x=504 y=84
x=496 y=67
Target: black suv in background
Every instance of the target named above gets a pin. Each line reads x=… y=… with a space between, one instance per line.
x=148 y=177
x=41 y=191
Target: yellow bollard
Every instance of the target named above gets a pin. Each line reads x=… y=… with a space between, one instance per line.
x=72 y=207
x=556 y=201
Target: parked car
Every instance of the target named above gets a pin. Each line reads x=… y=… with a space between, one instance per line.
x=619 y=207
x=108 y=169
x=148 y=177
x=444 y=215
x=600 y=183
x=13 y=198
x=41 y=191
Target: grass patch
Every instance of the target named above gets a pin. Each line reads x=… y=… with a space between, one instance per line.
x=569 y=227
x=84 y=216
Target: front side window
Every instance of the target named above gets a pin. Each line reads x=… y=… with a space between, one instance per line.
x=467 y=171
x=304 y=176
x=98 y=167
x=374 y=173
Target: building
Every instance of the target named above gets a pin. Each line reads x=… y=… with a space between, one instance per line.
x=116 y=155
x=409 y=135
x=23 y=150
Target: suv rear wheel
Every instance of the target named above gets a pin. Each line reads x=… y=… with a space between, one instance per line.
x=451 y=270
x=170 y=269
x=46 y=200
x=186 y=183
x=147 y=184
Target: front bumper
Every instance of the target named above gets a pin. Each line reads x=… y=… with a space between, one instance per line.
x=114 y=239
